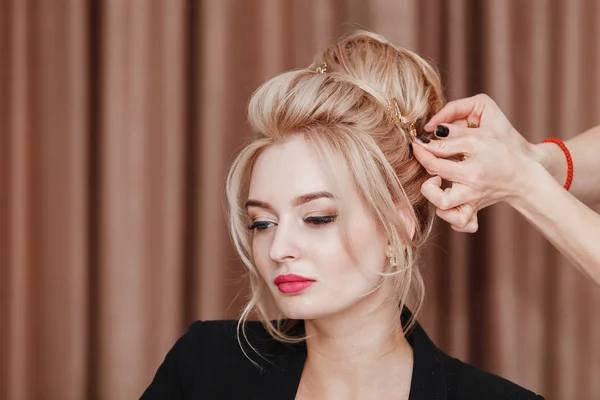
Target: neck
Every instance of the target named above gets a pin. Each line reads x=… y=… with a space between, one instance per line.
x=357 y=349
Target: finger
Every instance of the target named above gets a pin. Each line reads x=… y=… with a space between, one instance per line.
x=447 y=131
x=449 y=170
x=432 y=189
x=459 y=217
x=468 y=108
x=447 y=199
x=435 y=181
x=471 y=227
x=456 y=216
x=463 y=123
x=446 y=148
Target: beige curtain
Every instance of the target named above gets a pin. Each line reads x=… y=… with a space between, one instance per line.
x=118 y=119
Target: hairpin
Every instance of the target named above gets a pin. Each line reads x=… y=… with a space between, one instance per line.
x=321 y=69
x=401 y=121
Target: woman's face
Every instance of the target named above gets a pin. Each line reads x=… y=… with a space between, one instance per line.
x=293 y=211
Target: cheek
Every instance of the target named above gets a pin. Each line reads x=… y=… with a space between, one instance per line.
x=260 y=254
x=368 y=245
x=327 y=249
x=351 y=251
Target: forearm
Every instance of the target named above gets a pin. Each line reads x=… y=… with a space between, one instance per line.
x=585 y=151
x=571 y=226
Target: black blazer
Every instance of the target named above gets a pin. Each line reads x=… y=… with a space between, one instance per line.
x=207 y=363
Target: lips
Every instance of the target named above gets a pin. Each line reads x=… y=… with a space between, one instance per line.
x=291 y=278
x=292 y=283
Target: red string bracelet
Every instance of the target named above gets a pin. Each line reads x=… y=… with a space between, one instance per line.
x=563 y=147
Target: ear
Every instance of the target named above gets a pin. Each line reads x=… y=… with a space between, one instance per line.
x=406 y=216
x=408 y=219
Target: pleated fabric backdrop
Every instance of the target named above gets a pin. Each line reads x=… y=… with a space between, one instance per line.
x=118 y=119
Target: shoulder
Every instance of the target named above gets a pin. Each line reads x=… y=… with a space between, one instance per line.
x=456 y=380
x=225 y=339
x=217 y=343
x=206 y=351
x=466 y=382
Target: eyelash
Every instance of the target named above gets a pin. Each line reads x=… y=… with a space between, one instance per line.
x=317 y=221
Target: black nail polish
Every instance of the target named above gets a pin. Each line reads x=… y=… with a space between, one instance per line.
x=410 y=149
x=442 y=131
x=423 y=139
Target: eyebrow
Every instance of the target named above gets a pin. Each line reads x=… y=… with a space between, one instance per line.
x=303 y=199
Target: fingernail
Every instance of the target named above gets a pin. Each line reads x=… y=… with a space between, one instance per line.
x=423 y=139
x=441 y=131
x=410 y=149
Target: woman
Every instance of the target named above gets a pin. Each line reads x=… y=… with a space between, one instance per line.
x=498 y=164
x=326 y=213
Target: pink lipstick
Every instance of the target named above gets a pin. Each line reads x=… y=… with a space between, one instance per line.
x=291 y=283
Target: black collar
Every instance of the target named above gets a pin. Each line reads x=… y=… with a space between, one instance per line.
x=428 y=375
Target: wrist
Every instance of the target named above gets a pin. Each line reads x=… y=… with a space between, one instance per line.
x=526 y=182
x=544 y=154
x=552 y=158
x=538 y=202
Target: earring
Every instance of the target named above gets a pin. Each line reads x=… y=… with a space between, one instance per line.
x=393 y=258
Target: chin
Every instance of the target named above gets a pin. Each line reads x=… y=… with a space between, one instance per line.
x=300 y=314
x=305 y=307
x=300 y=307
x=298 y=311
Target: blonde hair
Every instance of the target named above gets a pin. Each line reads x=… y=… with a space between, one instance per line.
x=343 y=112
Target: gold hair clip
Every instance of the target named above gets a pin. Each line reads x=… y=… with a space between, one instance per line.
x=401 y=121
x=321 y=69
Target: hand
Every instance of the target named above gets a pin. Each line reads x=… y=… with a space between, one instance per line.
x=489 y=171
x=477 y=111
x=482 y=112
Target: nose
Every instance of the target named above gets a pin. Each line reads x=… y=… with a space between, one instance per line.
x=285 y=246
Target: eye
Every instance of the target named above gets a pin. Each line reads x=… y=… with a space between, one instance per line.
x=260 y=225
x=320 y=220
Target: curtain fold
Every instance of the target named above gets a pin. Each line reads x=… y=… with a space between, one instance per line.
x=118 y=120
